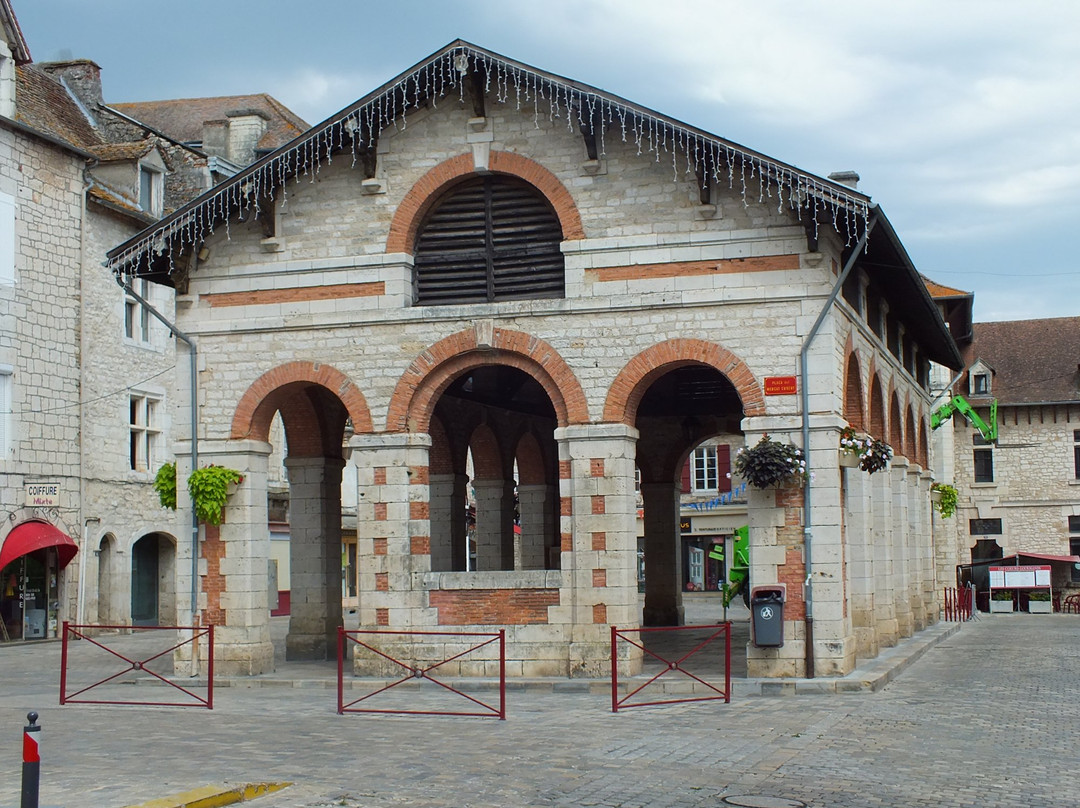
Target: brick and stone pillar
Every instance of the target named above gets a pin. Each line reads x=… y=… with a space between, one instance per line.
x=314 y=556
x=599 y=535
x=393 y=528
x=663 y=555
x=233 y=563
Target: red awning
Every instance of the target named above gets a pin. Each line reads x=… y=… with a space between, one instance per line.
x=1070 y=559
x=30 y=536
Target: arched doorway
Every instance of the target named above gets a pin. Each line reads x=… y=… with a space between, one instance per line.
x=107 y=613
x=689 y=424
x=153 y=581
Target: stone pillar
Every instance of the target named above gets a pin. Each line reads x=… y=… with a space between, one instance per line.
x=930 y=584
x=882 y=542
x=533 y=508
x=444 y=510
x=860 y=554
x=916 y=543
x=599 y=543
x=901 y=556
x=494 y=524
x=314 y=556
x=663 y=555
x=233 y=563
x=393 y=529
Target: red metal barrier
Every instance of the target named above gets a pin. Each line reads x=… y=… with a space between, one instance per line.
x=127 y=661
x=959 y=603
x=420 y=673
x=717 y=633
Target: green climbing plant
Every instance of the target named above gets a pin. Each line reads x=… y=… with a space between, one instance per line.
x=209 y=489
x=946 y=500
x=165 y=485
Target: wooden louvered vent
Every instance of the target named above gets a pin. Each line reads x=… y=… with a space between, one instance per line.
x=492 y=238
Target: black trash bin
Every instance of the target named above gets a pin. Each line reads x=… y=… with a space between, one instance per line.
x=767 y=615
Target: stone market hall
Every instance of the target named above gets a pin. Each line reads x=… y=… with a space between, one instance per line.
x=486 y=284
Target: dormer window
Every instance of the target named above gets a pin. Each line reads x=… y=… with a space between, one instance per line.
x=980 y=384
x=151 y=190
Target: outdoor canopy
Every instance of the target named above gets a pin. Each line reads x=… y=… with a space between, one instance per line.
x=31 y=536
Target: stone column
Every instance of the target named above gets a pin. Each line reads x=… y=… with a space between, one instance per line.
x=444 y=509
x=533 y=509
x=233 y=563
x=599 y=543
x=857 y=529
x=882 y=542
x=314 y=556
x=931 y=586
x=901 y=556
x=663 y=555
x=494 y=524
x=916 y=543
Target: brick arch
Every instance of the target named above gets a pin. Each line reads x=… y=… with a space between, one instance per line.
x=530 y=461
x=896 y=424
x=255 y=411
x=877 y=408
x=924 y=443
x=440 y=456
x=910 y=440
x=853 y=394
x=422 y=383
x=429 y=188
x=486 y=454
x=634 y=380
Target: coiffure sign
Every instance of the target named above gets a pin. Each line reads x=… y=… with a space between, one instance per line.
x=43 y=495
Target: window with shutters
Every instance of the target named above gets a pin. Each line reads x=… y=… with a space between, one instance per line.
x=489 y=239
x=709 y=467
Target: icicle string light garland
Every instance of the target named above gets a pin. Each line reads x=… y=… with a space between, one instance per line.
x=358 y=127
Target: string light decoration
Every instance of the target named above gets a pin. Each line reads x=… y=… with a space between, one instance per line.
x=355 y=129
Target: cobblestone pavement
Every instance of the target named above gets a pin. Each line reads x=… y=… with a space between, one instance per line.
x=988 y=717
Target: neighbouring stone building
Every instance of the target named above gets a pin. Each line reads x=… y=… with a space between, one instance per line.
x=497 y=279
x=85 y=370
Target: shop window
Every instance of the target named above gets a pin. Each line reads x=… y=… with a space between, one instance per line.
x=145 y=432
x=984 y=527
x=1074 y=545
x=983 y=454
x=137 y=316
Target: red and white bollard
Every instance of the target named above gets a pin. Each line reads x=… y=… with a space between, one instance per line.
x=31 y=767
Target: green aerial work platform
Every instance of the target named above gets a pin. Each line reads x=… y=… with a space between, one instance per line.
x=959 y=404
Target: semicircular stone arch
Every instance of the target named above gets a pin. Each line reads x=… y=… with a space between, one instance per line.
x=637 y=376
x=419 y=388
x=254 y=413
x=429 y=188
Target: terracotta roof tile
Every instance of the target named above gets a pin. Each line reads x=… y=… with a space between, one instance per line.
x=109 y=152
x=42 y=103
x=182 y=119
x=939 y=290
x=1033 y=360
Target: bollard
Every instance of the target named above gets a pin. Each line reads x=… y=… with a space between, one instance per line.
x=31 y=767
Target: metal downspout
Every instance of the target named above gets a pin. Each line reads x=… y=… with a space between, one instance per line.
x=176 y=332
x=808 y=532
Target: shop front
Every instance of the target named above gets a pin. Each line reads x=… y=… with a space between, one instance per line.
x=31 y=560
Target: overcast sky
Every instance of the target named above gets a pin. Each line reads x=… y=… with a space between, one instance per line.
x=962 y=118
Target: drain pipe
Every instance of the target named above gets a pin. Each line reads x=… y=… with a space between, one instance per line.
x=176 y=332
x=808 y=532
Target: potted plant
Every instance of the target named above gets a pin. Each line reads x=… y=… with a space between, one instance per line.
x=1039 y=602
x=944 y=497
x=209 y=487
x=770 y=462
x=875 y=456
x=852 y=444
x=1001 y=601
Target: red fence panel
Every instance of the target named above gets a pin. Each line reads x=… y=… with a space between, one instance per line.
x=416 y=657
x=959 y=603
x=715 y=636
x=112 y=664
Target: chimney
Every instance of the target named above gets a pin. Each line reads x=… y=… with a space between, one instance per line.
x=848 y=178
x=81 y=77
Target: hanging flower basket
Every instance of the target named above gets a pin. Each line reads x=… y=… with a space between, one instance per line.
x=862 y=451
x=944 y=498
x=210 y=489
x=770 y=463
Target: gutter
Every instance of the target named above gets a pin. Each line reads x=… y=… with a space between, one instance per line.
x=808 y=532
x=176 y=332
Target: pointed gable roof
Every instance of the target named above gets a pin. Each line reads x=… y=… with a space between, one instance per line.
x=12 y=33
x=45 y=105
